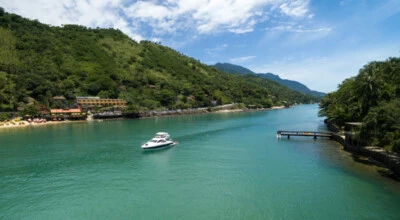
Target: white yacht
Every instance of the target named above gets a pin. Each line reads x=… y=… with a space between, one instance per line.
x=161 y=139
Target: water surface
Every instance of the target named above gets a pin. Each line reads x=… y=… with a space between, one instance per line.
x=226 y=166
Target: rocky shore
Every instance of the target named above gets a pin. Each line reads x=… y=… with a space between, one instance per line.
x=157 y=113
x=375 y=155
x=218 y=109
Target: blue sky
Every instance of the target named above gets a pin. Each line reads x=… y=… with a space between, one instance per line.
x=319 y=43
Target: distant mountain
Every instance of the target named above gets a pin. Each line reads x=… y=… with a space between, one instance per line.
x=294 y=85
x=231 y=68
x=291 y=84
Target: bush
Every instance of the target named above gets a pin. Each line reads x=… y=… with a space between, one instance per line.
x=396 y=146
x=387 y=139
x=5 y=116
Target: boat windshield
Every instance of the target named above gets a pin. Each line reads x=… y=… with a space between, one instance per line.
x=157 y=140
x=162 y=135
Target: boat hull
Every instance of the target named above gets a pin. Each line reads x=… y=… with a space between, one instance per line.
x=149 y=147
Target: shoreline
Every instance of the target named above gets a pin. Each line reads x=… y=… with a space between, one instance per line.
x=199 y=111
x=25 y=124
x=144 y=115
x=370 y=155
x=248 y=110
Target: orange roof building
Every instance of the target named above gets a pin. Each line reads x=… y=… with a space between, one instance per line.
x=101 y=102
x=70 y=114
x=65 y=111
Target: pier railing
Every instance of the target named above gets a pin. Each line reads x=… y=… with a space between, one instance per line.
x=314 y=134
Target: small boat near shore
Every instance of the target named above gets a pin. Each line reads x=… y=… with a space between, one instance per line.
x=160 y=140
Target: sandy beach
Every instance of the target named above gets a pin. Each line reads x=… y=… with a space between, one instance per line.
x=26 y=124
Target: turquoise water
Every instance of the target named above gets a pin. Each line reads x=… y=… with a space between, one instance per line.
x=226 y=166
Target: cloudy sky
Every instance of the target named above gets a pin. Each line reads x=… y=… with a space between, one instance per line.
x=319 y=43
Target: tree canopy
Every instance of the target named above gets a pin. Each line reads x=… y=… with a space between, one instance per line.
x=38 y=62
x=372 y=97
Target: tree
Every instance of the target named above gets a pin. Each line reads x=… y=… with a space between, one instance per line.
x=8 y=53
x=166 y=97
x=31 y=111
x=371 y=97
x=4 y=116
x=368 y=86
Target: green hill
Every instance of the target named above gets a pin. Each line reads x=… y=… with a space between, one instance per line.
x=231 y=68
x=38 y=62
x=294 y=85
x=373 y=98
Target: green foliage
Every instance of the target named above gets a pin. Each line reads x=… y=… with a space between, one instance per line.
x=266 y=103
x=372 y=97
x=383 y=123
x=30 y=111
x=5 y=116
x=396 y=146
x=39 y=61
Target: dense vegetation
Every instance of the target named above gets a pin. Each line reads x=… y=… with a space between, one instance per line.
x=372 y=97
x=38 y=62
x=232 y=68
x=294 y=85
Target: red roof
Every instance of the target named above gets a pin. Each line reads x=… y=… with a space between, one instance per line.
x=62 y=111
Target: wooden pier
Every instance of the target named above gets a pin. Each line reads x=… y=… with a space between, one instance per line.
x=314 y=134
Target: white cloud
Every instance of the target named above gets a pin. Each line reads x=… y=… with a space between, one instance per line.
x=210 y=16
x=298 y=29
x=241 y=30
x=292 y=34
x=216 y=50
x=241 y=59
x=90 y=13
x=148 y=11
x=297 y=8
x=159 y=17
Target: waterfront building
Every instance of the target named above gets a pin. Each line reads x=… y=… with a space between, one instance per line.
x=88 y=102
x=67 y=114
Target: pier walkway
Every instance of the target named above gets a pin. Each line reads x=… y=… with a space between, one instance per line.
x=314 y=134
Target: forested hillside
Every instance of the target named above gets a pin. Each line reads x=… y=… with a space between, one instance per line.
x=38 y=62
x=232 y=68
x=372 y=97
x=293 y=85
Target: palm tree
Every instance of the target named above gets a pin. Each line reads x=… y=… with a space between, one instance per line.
x=368 y=86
